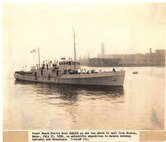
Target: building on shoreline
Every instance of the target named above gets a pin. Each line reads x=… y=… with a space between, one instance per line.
x=148 y=59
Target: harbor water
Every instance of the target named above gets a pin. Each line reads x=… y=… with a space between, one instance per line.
x=138 y=105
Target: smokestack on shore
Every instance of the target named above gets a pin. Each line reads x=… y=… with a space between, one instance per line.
x=150 y=50
x=102 y=50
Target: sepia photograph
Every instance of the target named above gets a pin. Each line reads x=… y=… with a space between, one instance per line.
x=84 y=66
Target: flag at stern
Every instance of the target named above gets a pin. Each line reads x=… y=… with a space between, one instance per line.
x=33 y=51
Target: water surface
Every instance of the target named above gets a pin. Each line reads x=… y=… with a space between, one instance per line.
x=138 y=105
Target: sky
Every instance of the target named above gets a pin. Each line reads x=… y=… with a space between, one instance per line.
x=124 y=28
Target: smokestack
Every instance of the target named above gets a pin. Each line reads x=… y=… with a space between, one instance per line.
x=102 y=49
x=150 y=50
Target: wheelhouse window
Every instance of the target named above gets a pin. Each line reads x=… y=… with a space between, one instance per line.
x=69 y=63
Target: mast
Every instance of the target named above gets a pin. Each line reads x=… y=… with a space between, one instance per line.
x=74 y=49
x=39 y=56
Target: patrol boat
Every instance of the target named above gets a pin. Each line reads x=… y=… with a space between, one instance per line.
x=70 y=72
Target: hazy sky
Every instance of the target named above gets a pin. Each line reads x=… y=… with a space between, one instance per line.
x=123 y=28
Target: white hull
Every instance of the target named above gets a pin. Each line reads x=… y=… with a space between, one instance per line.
x=105 y=78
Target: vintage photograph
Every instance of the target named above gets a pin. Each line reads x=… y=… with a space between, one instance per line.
x=84 y=66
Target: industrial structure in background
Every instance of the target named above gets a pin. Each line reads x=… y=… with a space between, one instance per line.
x=148 y=59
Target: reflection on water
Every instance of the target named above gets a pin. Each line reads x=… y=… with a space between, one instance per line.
x=139 y=104
x=65 y=89
x=71 y=92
